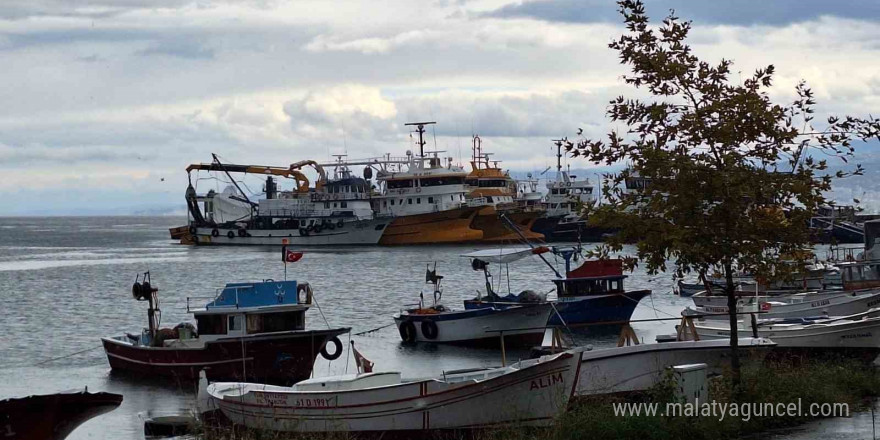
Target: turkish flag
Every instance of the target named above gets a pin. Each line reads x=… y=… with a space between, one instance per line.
x=289 y=256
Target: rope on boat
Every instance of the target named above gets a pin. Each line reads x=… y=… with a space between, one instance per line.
x=46 y=361
x=373 y=330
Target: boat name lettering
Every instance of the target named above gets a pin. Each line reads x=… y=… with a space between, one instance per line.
x=312 y=402
x=271 y=399
x=857 y=335
x=824 y=302
x=544 y=382
x=873 y=303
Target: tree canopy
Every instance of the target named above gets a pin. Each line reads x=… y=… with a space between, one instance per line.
x=732 y=176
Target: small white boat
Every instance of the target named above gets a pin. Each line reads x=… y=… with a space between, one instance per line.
x=801 y=305
x=640 y=367
x=521 y=324
x=532 y=392
x=860 y=331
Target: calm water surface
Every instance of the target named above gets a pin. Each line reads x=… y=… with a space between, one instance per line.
x=66 y=283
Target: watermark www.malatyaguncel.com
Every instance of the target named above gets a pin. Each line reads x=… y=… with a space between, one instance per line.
x=744 y=411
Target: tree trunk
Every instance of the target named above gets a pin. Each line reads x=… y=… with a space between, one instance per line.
x=730 y=290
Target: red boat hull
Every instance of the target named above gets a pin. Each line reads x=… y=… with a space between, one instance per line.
x=282 y=358
x=53 y=416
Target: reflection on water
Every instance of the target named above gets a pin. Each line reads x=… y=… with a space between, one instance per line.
x=66 y=283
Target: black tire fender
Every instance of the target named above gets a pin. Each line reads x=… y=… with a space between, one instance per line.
x=242 y=233
x=429 y=329
x=215 y=232
x=336 y=353
x=230 y=234
x=407 y=331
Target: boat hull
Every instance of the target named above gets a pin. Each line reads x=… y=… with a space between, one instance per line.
x=860 y=334
x=363 y=232
x=522 y=326
x=640 y=367
x=496 y=230
x=555 y=231
x=452 y=226
x=838 y=304
x=279 y=358
x=532 y=395
x=52 y=416
x=612 y=309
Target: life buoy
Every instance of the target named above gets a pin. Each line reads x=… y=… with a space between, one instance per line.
x=429 y=329
x=338 y=352
x=192 y=230
x=230 y=234
x=215 y=232
x=304 y=289
x=418 y=189
x=242 y=233
x=407 y=331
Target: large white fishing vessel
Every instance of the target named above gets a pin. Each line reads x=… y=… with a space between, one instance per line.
x=335 y=212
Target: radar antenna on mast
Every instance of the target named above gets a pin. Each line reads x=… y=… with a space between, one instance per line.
x=420 y=128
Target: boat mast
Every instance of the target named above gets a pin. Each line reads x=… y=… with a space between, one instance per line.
x=559 y=143
x=420 y=127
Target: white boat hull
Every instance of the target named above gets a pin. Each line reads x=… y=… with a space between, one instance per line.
x=838 y=334
x=842 y=304
x=363 y=232
x=525 y=324
x=531 y=395
x=640 y=367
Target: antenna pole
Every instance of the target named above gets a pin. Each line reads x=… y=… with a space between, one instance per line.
x=558 y=143
x=420 y=127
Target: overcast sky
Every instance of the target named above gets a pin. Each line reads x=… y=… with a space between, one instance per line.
x=104 y=99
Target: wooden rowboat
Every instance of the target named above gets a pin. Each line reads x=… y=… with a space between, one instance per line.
x=531 y=392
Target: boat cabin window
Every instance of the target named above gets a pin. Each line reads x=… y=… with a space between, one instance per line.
x=235 y=323
x=211 y=324
x=438 y=181
x=275 y=322
x=588 y=286
x=395 y=184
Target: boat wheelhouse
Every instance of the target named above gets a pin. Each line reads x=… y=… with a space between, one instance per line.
x=248 y=331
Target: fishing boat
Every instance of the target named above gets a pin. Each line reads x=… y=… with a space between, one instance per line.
x=801 y=305
x=527 y=393
x=566 y=197
x=640 y=367
x=519 y=325
x=857 y=334
x=52 y=416
x=336 y=211
x=424 y=198
x=248 y=331
x=592 y=294
x=494 y=191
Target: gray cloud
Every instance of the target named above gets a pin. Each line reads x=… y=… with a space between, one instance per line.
x=734 y=12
